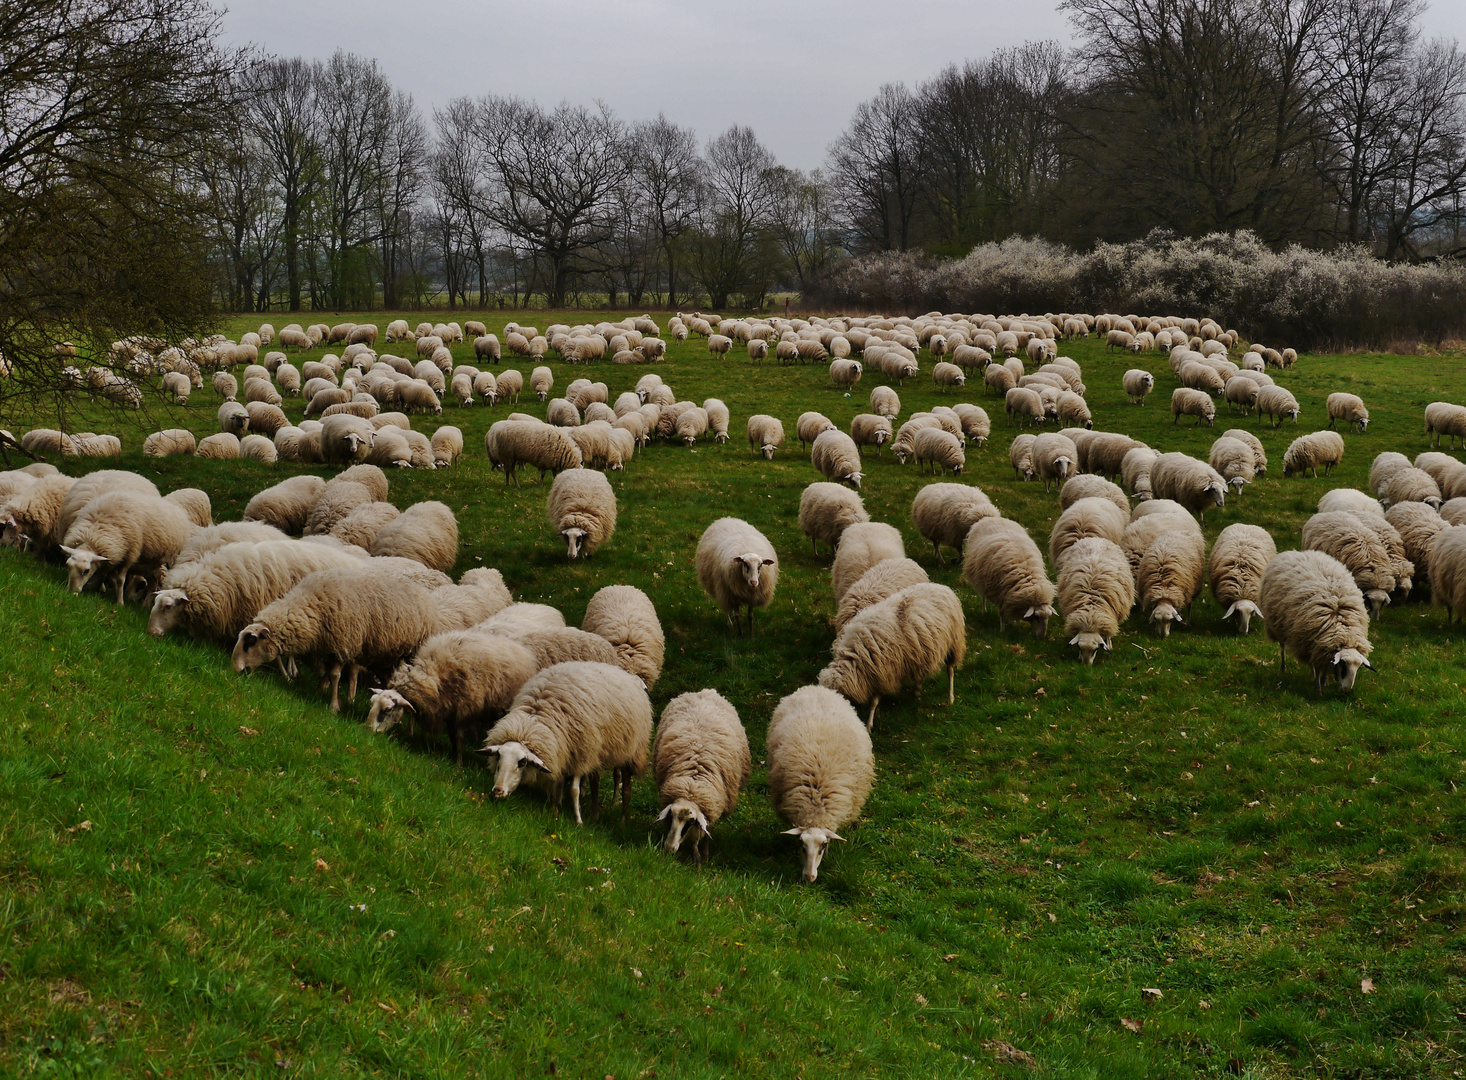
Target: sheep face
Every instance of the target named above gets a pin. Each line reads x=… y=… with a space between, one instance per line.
x=1090 y=643
x=168 y=607
x=751 y=566
x=82 y=565
x=1038 y=617
x=815 y=842
x=1237 y=483
x=254 y=647
x=684 y=820
x=574 y=539
x=1345 y=668
x=1378 y=600
x=388 y=708
x=1162 y=617
x=768 y=451
x=1244 y=610
x=514 y=758
x=1218 y=492
x=853 y=480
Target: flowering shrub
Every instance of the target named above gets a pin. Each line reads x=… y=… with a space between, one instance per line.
x=1297 y=297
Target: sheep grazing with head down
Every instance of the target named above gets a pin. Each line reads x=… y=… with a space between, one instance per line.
x=1172 y=573
x=1003 y=565
x=861 y=546
x=700 y=762
x=1096 y=593
x=1086 y=517
x=1348 y=408
x=1238 y=559
x=1448 y=571
x=571 y=722
x=1020 y=454
x=1312 y=607
x=582 y=509
x=883 y=580
x=426 y=532
x=1418 y=526
x=945 y=513
x=1234 y=462
x=821 y=769
x=837 y=457
x=1188 y=402
x=123 y=532
x=765 y=435
x=826 y=510
x=626 y=618
x=1276 y=403
x=738 y=568
x=1055 y=458
x=1308 y=453
x=1090 y=486
x=1192 y=483
x=1354 y=543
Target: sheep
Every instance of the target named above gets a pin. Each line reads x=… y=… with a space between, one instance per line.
x=999 y=379
x=1188 y=402
x=1445 y=418
x=861 y=546
x=717 y=414
x=883 y=580
x=125 y=531
x=811 y=425
x=1090 y=486
x=338 y=499
x=1238 y=559
x=1002 y=564
x=821 y=769
x=1410 y=485
x=168 y=442
x=904 y=444
x=1418 y=526
x=1453 y=512
x=700 y=762
x=836 y=456
x=1054 y=458
x=945 y=375
x=413 y=395
x=1172 y=573
x=945 y=513
x=1259 y=455
x=195 y=503
x=1192 y=483
x=626 y=618
x=226 y=386
x=941 y=449
x=447 y=445
x=1448 y=473
x=1023 y=404
x=1234 y=462
x=346 y=439
x=1354 y=543
x=1201 y=377
x=1086 y=517
x=233 y=417
x=1385 y=466
x=1074 y=409
x=360 y=527
x=1348 y=408
x=975 y=424
x=582 y=509
x=33 y=518
x=572 y=721
x=426 y=532
x=1311 y=606
x=826 y=510
x=510 y=443
x=846 y=373
x=691 y=424
x=1138 y=384
x=1277 y=404
x=884 y=402
x=1447 y=561
x=1242 y=392
x=1307 y=452
x=1096 y=592
x=738 y=568
x=261 y=390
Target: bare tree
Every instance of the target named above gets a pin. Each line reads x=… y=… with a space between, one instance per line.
x=460 y=179
x=878 y=167
x=355 y=103
x=738 y=186
x=403 y=164
x=285 y=116
x=802 y=219
x=1423 y=195
x=667 y=172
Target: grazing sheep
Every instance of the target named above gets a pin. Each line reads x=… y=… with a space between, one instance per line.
x=1096 y=593
x=1188 y=402
x=1023 y=404
x=884 y=402
x=426 y=532
x=1350 y=409
x=941 y=449
x=826 y=510
x=945 y=513
x=1418 y=526
x=1354 y=543
x=360 y=527
x=233 y=418
x=258 y=448
x=195 y=503
x=837 y=457
x=811 y=425
x=226 y=386
x=717 y=418
x=510 y=384
x=1201 y=377
x=861 y=546
x=700 y=762
x=999 y=379
x=582 y=509
x=1020 y=454
x=1238 y=558
x=339 y=499
x=1135 y=470
x=1073 y=409
x=168 y=442
x=1311 y=606
x=868 y=429
x=571 y=722
x=1138 y=384
x=821 y=769
x=510 y=443
x=521 y=620
x=975 y=424
x=738 y=568
x=1307 y=452
x=346 y=439
x=223 y=446
x=1277 y=404
x=1447 y=562
x=1448 y=473
x=124 y=531
x=1055 y=458
x=1090 y=486
x=1234 y=462
x=1172 y=573
x=1192 y=483
x=1259 y=455
x=1086 y=517
x=883 y=580
x=1445 y=418
x=1410 y=485
x=1242 y=391
x=846 y=373
x=904 y=444
x=447 y=445
x=626 y=618
x=1003 y=565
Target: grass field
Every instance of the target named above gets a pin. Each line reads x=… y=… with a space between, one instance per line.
x=202 y=874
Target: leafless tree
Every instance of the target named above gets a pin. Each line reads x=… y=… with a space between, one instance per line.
x=403 y=167
x=730 y=250
x=878 y=168
x=802 y=219
x=666 y=171
x=284 y=114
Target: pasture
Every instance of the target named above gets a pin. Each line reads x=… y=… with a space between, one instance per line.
x=203 y=874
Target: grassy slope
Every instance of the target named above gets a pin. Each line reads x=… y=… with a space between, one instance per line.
x=1175 y=817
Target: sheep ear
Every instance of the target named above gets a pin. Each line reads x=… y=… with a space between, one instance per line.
x=665 y=811
x=490 y=749
x=792 y=832
x=1109 y=645
x=1074 y=640
x=1338 y=654
x=1368 y=665
x=768 y=562
x=1230 y=610
x=1029 y=613
x=836 y=836
x=702 y=822
x=68 y=550
x=532 y=758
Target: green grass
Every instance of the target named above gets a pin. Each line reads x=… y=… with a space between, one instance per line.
x=265 y=889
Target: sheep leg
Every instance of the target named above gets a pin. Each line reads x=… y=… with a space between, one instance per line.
x=1282 y=659
x=870 y=723
x=594 y=783
x=937 y=549
x=352 y=671
x=625 y=793
x=951 y=683
x=575 y=798
x=335 y=687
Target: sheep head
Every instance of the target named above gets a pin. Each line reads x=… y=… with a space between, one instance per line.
x=254 y=647
x=168 y=608
x=768 y=451
x=1378 y=600
x=1245 y=610
x=388 y=707
x=1217 y=490
x=1161 y=618
x=852 y=481
x=514 y=758
x=751 y=565
x=684 y=818
x=1237 y=483
x=1345 y=666
x=82 y=564
x=1089 y=644
x=1038 y=617
x=815 y=843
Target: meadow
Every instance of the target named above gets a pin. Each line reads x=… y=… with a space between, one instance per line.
x=207 y=874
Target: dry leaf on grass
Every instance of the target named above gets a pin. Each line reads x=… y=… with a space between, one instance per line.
x=1132 y=1025
x=1005 y=1051
x=1366 y=986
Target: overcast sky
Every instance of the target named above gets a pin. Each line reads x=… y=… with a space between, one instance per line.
x=793 y=70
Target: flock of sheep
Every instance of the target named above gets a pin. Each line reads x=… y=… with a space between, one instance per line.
x=311 y=572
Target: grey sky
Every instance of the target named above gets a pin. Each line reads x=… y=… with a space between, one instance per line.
x=792 y=70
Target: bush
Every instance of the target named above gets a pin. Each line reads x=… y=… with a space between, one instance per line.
x=1294 y=297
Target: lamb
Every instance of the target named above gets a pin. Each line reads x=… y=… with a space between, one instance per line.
x=885 y=402
x=582 y=509
x=1307 y=452
x=626 y=618
x=826 y=510
x=1096 y=593
x=837 y=457
x=511 y=443
x=700 y=762
x=1312 y=607
x=1003 y=565
x=1352 y=542
x=738 y=568
x=905 y=638
x=1234 y=462
x=1238 y=559
x=1138 y=384
x=1172 y=573
x=1192 y=483
x=1418 y=526
x=214 y=597
x=1188 y=402
x=765 y=435
x=426 y=532
x=881 y=581
x=1086 y=517
x=126 y=531
x=1278 y=404
x=821 y=769
x=168 y=442
x=861 y=546
x=1348 y=408
x=811 y=425
x=1055 y=458
x=1090 y=486
x=572 y=721
x=447 y=445
x=1448 y=572
x=945 y=513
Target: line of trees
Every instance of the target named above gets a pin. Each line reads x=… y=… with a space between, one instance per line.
x=1320 y=122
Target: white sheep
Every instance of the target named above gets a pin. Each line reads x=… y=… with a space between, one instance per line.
x=1418 y=526
x=1307 y=453
x=1090 y=486
x=124 y=531
x=1311 y=606
x=168 y=442
x=826 y=510
x=945 y=513
x=821 y=769
x=426 y=533
x=1278 y=404
x=861 y=546
x=738 y=568
x=1234 y=462
x=811 y=425
x=868 y=429
x=582 y=509
x=1138 y=384
x=1448 y=572
x=1172 y=573
x=1096 y=592
x=1238 y=558
x=626 y=618
x=1354 y=543
x=1189 y=402
x=700 y=762
x=1259 y=455
x=836 y=456
x=1055 y=458
x=1192 y=483
x=1084 y=518
x=885 y=579
x=1349 y=408
x=975 y=423
x=884 y=402
x=511 y=443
